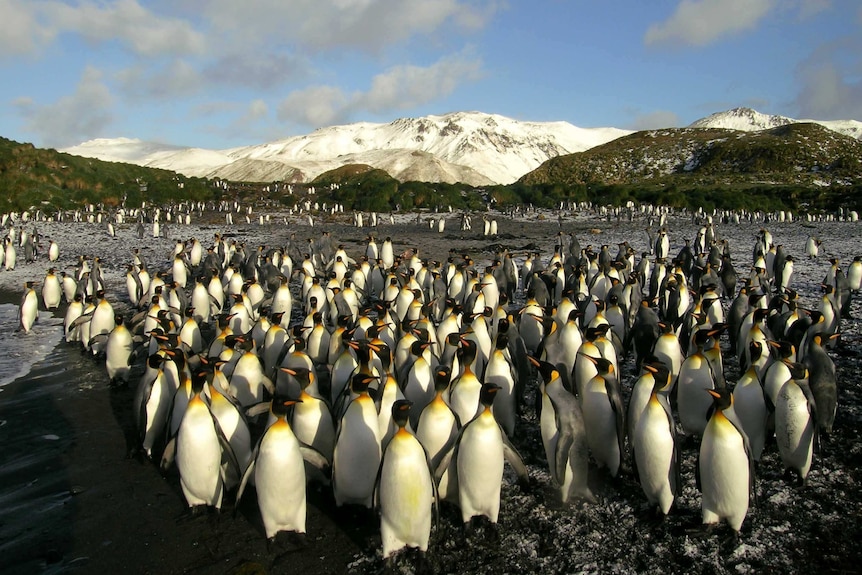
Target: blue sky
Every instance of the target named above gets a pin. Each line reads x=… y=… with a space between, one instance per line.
x=223 y=73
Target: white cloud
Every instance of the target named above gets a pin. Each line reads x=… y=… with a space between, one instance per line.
x=404 y=87
x=29 y=25
x=829 y=91
x=21 y=28
x=72 y=119
x=363 y=24
x=126 y=21
x=399 y=88
x=177 y=78
x=701 y=22
x=263 y=71
x=314 y=106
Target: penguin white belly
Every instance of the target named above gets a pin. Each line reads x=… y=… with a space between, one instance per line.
x=118 y=351
x=157 y=408
x=774 y=379
x=550 y=433
x=600 y=422
x=406 y=495
x=724 y=474
x=794 y=429
x=653 y=452
x=750 y=407
x=199 y=458
x=480 y=469
x=498 y=372
x=279 y=477
x=436 y=430
x=356 y=456
x=312 y=424
x=29 y=311
x=693 y=401
x=638 y=400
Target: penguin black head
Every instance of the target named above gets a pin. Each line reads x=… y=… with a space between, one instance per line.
x=359 y=382
x=400 y=412
x=547 y=370
x=442 y=376
x=302 y=375
x=603 y=365
x=280 y=405
x=660 y=373
x=488 y=393
x=721 y=399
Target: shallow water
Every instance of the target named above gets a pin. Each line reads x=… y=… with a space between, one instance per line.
x=22 y=350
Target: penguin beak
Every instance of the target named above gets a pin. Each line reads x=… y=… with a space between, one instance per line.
x=713 y=393
x=288 y=370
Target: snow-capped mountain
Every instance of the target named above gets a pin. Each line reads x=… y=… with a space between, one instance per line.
x=470 y=147
x=748 y=120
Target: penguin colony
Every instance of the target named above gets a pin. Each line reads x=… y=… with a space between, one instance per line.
x=398 y=382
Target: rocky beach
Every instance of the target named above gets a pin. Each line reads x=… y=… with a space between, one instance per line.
x=77 y=496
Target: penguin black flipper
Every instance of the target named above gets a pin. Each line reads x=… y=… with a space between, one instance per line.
x=676 y=463
x=229 y=462
x=98 y=338
x=245 y=476
x=511 y=455
x=81 y=319
x=315 y=462
x=168 y=455
x=612 y=386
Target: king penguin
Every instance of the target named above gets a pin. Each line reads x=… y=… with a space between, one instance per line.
x=405 y=491
x=279 y=475
x=725 y=472
x=478 y=457
x=356 y=456
x=564 y=435
x=796 y=423
x=199 y=448
x=655 y=450
x=28 y=310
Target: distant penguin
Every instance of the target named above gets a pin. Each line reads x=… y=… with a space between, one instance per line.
x=405 y=491
x=28 y=309
x=52 y=290
x=725 y=472
x=53 y=251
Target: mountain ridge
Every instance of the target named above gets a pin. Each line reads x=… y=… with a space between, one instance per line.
x=475 y=148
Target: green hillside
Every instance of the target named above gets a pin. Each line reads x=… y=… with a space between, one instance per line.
x=31 y=177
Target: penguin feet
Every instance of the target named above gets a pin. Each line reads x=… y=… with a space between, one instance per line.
x=481 y=530
x=285 y=543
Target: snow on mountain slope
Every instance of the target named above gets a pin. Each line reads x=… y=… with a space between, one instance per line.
x=488 y=148
x=748 y=120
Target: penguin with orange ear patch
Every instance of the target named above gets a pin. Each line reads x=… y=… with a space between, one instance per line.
x=725 y=468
